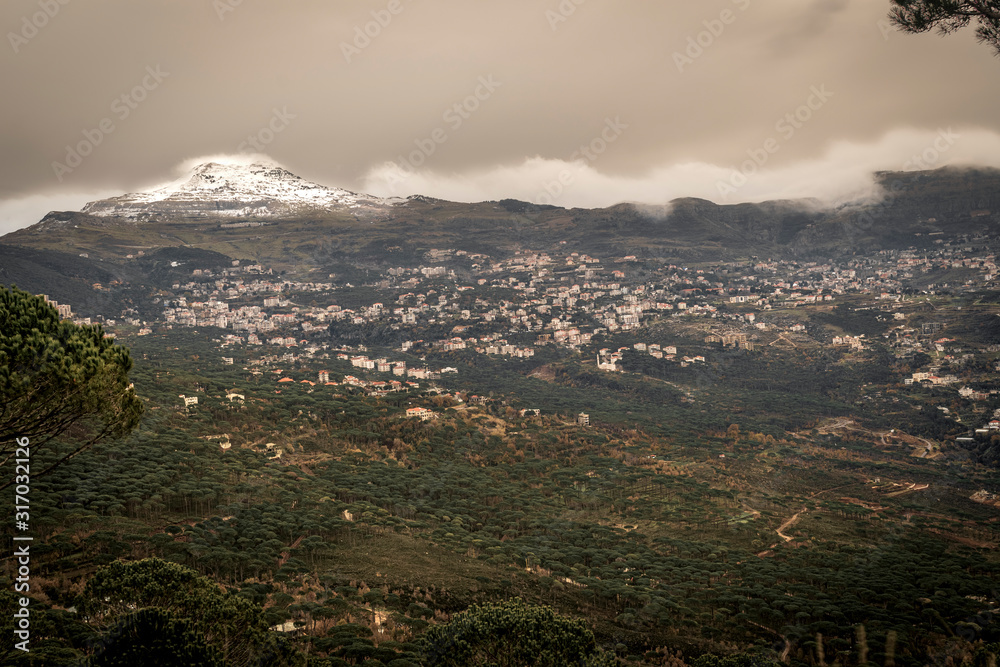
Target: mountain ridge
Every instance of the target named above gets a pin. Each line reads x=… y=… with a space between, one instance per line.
x=256 y=189
x=917 y=210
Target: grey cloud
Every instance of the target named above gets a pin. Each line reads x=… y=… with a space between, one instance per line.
x=560 y=82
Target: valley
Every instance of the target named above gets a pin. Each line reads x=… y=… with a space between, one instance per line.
x=746 y=430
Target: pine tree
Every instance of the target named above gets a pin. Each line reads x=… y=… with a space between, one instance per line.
x=948 y=16
x=59 y=380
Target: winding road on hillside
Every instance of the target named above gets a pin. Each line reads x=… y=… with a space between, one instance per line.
x=788 y=523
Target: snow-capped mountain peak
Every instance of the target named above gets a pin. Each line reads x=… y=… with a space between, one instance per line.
x=217 y=189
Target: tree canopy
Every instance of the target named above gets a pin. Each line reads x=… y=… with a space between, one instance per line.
x=512 y=633
x=57 y=378
x=177 y=609
x=155 y=638
x=948 y=16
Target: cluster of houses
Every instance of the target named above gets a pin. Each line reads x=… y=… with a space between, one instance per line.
x=881 y=274
x=992 y=427
x=490 y=344
x=853 y=342
x=565 y=299
x=423 y=414
x=977 y=395
x=554 y=295
x=929 y=377
x=610 y=360
x=373 y=387
x=564 y=286
x=737 y=339
x=398 y=368
x=64 y=310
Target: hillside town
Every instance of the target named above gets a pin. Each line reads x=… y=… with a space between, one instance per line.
x=604 y=309
x=567 y=300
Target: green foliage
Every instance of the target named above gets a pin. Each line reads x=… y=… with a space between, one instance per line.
x=855 y=322
x=634 y=523
x=154 y=638
x=57 y=378
x=979 y=327
x=739 y=660
x=55 y=635
x=511 y=634
x=230 y=624
x=986 y=655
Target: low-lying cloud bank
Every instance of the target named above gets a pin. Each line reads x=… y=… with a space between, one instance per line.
x=843 y=174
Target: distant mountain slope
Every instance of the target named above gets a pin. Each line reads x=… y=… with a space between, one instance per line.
x=283 y=228
x=64 y=277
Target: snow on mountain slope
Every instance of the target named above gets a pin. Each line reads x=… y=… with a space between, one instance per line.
x=235 y=190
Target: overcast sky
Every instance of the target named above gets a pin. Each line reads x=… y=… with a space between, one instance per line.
x=572 y=102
